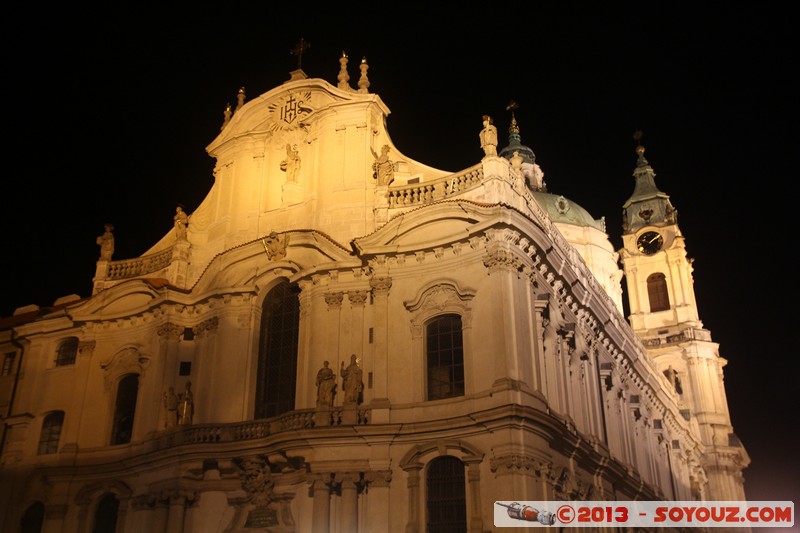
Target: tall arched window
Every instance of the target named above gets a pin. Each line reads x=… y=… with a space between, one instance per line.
x=445 y=496
x=33 y=519
x=657 y=292
x=277 y=352
x=67 y=351
x=105 y=514
x=444 y=351
x=124 y=409
x=51 y=432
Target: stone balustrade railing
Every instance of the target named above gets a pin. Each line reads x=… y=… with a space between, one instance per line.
x=130 y=268
x=254 y=429
x=422 y=193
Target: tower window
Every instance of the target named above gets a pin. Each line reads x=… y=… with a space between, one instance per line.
x=657 y=292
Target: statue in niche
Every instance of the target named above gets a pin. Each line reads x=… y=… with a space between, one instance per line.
x=383 y=166
x=181 y=220
x=488 y=137
x=673 y=378
x=352 y=382
x=326 y=385
x=106 y=243
x=171 y=406
x=186 y=406
x=291 y=165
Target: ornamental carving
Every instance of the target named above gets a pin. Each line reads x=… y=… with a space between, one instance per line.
x=204 y=327
x=256 y=479
x=128 y=360
x=519 y=463
x=334 y=299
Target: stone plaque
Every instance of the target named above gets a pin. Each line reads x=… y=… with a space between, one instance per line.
x=261 y=518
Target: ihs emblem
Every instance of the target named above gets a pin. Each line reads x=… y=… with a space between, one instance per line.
x=290 y=113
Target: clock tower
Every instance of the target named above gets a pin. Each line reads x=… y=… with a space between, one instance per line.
x=664 y=314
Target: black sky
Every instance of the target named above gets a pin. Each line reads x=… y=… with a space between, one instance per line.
x=108 y=117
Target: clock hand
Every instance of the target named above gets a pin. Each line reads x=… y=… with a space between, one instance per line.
x=654 y=239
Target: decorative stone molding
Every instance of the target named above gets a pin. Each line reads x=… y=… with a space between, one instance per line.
x=86 y=348
x=128 y=360
x=334 y=299
x=439 y=298
x=378 y=478
x=206 y=326
x=519 y=463
x=358 y=298
x=381 y=284
x=256 y=479
x=170 y=331
x=501 y=259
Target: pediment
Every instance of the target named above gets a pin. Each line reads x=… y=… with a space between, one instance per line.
x=289 y=111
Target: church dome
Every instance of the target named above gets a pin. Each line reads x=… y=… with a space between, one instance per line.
x=564 y=211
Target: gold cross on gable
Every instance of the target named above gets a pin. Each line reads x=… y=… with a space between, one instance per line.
x=298 y=50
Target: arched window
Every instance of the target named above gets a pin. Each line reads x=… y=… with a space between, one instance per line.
x=51 y=432
x=124 y=409
x=446 y=496
x=105 y=514
x=67 y=351
x=277 y=352
x=33 y=519
x=444 y=352
x=657 y=292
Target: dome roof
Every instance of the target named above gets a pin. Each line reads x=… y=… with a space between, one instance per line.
x=565 y=211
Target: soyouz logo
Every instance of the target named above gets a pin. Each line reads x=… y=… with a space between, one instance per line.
x=644 y=514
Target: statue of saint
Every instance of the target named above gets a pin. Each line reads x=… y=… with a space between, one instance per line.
x=383 y=166
x=106 y=243
x=181 y=221
x=186 y=406
x=171 y=406
x=291 y=165
x=326 y=385
x=351 y=381
x=488 y=136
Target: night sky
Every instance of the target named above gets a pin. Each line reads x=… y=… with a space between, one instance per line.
x=108 y=116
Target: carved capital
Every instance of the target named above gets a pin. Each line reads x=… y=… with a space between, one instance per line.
x=357 y=297
x=380 y=284
x=204 y=327
x=334 y=299
x=170 y=331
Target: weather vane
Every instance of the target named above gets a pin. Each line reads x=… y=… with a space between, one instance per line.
x=298 y=50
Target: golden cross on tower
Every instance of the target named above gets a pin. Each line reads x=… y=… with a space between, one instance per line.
x=298 y=50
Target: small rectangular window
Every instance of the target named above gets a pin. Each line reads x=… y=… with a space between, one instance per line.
x=8 y=363
x=186 y=368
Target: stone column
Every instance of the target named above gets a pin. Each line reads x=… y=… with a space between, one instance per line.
x=377 y=504
x=320 y=487
x=170 y=335
x=474 y=480
x=348 y=522
x=177 y=509
x=380 y=392
x=412 y=471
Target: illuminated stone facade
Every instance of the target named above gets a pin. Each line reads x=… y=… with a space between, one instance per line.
x=484 y=314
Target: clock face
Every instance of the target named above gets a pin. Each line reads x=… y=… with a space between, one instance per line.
x=649 y=242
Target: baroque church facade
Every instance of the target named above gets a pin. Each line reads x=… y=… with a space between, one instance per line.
x=342 y=339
